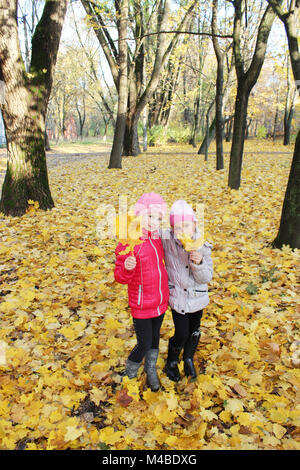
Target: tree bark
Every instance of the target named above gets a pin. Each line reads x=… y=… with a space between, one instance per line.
x=26 y=100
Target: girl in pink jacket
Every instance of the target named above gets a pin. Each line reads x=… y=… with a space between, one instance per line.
x=148 y=291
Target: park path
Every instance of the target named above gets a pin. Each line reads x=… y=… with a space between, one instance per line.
x=55 y=159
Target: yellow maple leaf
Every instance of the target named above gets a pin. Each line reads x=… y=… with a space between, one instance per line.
x=109 y=436
x=74 y=330
x=171 y=440
x=208 y=415
x=132 y=386
x=150 y=396
x=73 y=432
x=163 y=414
x=233 y=405
x=112 y=323
x=97 y=395
x=225 y=416
x=98 y=251
x=188 y=243
x=172 y=402
x=129 y=230
x=278 y=430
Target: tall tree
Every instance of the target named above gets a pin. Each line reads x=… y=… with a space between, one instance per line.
x=116 y=152
x=141 y=25
x=289 y=229
x=229 y=81
x=220 y=55
x=246 y=80
x=26 y=99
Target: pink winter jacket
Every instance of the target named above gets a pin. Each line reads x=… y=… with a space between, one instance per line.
x=148 y=290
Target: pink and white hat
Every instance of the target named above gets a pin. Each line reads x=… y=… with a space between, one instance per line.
x=181 y=211
x=149 y=201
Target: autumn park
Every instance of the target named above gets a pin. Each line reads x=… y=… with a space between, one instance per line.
x=149 y=226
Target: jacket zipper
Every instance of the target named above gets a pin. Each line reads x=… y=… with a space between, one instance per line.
x=140 y=291
x=161 y=296
x=140 y=285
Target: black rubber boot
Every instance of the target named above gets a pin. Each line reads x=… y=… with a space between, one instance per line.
x=171 y=368
x=188 y=354
x=150 y=369
x=131 y=369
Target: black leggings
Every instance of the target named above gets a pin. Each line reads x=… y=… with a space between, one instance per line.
x=147 y=332
x=185 y=325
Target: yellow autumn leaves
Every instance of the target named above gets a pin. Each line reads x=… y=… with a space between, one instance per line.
x=66 y=330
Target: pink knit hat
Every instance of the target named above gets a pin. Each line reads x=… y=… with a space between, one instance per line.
x=148 y=201
x=181 y=211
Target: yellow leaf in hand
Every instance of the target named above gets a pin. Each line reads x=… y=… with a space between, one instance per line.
x=128 y=230
x=188 y=243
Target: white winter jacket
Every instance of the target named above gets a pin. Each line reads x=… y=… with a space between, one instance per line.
x=187 y=280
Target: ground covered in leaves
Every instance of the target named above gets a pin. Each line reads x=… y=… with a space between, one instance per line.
x=66 y=330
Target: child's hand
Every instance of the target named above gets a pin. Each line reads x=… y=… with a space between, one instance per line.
x=196 y=257
x=130 y=263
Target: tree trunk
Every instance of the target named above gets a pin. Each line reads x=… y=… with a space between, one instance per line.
x=26 y=100
x=116 y=152
x=275 y=118
x=288 y=117
x=226 y=95
x=211 y=135
x=196 y=122
x=289 y=230
x=207 y=129
x=47 y=143
x=219 y=90
x=219 y=117
x=229 y=130
x=131 y=145
x=162 y=52
x=26 y=175
x=240 y=119
x=246 y=81
x=288 y=125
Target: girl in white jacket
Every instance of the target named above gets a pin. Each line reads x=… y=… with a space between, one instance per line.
x=188 y=276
